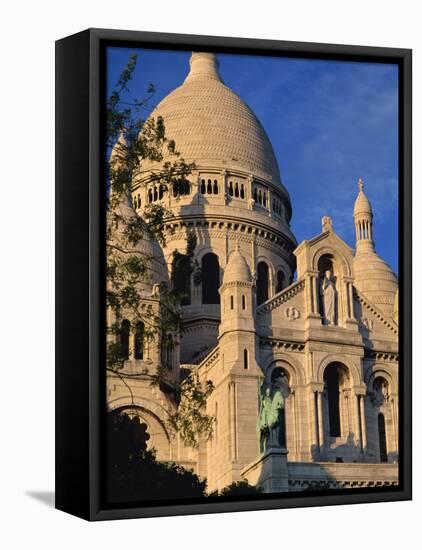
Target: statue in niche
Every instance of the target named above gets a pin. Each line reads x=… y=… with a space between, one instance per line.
x=380 y=393
x=269 y=418
x=328 y=293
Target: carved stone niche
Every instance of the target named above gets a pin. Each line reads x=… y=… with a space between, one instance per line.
x=381 y=392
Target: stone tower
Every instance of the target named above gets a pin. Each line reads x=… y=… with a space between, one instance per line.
x=234 y=195
x=373 y=276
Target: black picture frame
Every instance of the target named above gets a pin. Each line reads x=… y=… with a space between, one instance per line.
x=80 y=212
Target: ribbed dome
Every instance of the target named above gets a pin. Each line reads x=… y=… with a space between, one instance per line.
x=237 y=270
x=362 y=204
x=376 y=280
x=212 y=126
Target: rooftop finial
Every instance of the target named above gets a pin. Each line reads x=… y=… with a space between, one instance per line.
x=360 y=184
x=327 y=224
x=203 y=65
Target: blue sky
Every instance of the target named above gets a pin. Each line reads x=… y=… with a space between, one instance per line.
x=329 y=122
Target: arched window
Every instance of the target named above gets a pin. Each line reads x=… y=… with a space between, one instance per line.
x=139 y=340
x=245 y=359
x=124 y=339
x=231 y=302
x=155 y=193
x=280 y=281
x=236 y=189
x=203 y=187
x=231 y=189
x=149 y=195
x=209 y=187
x=210 y=279
x=331 y=379
x=382 y=438
x=181 y=278
x=242 y=191
x=160 y=192
x=262 y=283
x=243 y=302
x=215 y=188
x=255 y=195
x=264 y=199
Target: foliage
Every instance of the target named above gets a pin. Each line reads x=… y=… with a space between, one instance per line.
x=133 y=473
x=135 y=142
x=239 y=488
x=190 y=420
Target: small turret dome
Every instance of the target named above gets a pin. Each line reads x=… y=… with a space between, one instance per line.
x=362 y=204
x=237 y=269
x=119 y=153
x=121 y=213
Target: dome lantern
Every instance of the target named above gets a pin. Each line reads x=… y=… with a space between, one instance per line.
x=362 y=215
x=373 y=276
x=203 y=65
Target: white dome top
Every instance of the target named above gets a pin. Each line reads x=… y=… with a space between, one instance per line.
x=237 y=270
x=213 y=127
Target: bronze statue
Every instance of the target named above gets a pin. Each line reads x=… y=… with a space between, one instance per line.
x=269 y=419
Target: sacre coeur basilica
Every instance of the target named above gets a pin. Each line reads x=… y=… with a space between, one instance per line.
x=315 y=323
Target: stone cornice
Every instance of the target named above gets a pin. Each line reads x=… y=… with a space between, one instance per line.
x=210 y=359
x=281 y=297
x=245 y=230
x=282 y=344
x=379 y=355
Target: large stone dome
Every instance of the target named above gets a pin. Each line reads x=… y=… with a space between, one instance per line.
x=213 y=127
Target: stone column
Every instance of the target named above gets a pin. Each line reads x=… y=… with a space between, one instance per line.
x=352 y=309
x=233 y=420
x=295 y=424
x=358 y=423
x=321 y=438
x=309 y=297
x=224 y=189
x=315 y=295
x=313 y=428
x=393 y=409
x=363 y=421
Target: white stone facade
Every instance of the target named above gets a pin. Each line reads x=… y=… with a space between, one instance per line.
x=340 y=380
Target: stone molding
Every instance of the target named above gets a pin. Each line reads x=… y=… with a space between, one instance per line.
x=281 y=297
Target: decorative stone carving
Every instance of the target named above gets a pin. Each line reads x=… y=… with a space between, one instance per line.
x=328 y=293
x=327 y=224
x=380 y=393
x=292 y=313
